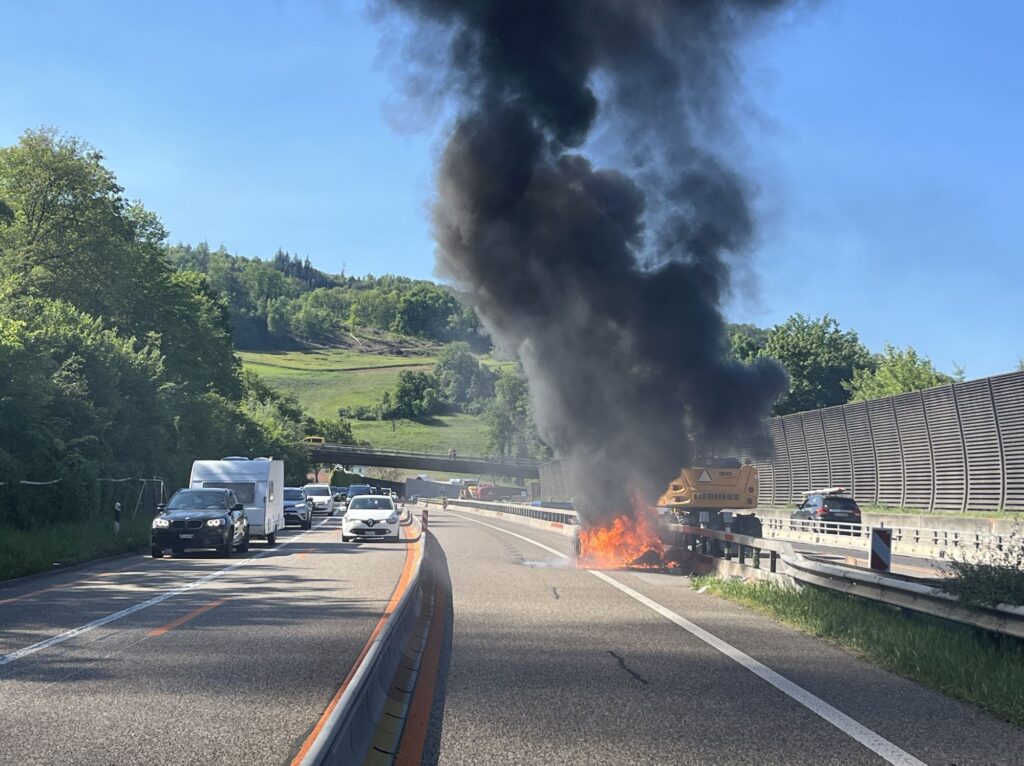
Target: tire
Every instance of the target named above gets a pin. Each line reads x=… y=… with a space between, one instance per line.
x=272 y=538
x=308 y=523
x=155 y=552
x=346 y=539
x=228 y=548
x=244 y=546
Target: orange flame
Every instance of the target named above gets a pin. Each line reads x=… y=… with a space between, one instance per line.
x=630 y=540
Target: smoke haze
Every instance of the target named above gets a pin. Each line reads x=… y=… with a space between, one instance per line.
x=606 y=281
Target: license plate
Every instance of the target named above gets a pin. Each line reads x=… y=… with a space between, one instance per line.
x=185 y=536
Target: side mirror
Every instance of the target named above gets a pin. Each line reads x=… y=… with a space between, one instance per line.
x=238 y=507
x=161 y=507
x=799 y=506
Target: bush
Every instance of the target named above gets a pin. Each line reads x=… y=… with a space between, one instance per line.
x=997 y=578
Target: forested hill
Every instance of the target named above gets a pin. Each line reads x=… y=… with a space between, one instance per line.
x=287 y=302
x=114 y=366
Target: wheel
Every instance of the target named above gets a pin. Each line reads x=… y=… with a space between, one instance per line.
x=243 y=547
x=346 y=539
x=229 y=547
x=308 y=523
x=157 y=553
x=272 y=538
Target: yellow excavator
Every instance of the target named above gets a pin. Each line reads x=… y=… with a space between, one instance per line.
x=703 y=494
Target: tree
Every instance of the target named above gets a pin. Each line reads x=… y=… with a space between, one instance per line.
x=819 y=357
x=896 y=371
x=415 y=396
x=510 y=425
x=746 y=341
x=461 y=379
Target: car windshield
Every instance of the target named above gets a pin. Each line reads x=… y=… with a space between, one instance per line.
x=196 y=500
x=359 y=489
x=371 y=503
x=837 y=503
x=318 y=491
x=293 y=494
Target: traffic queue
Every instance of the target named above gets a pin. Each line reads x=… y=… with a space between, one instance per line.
x=230 y=502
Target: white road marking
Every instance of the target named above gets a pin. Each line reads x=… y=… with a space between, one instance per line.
x=98 y=623
x=862 y=734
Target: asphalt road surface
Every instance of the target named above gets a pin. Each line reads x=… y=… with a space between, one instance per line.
x=234 y=667
x=547 y=664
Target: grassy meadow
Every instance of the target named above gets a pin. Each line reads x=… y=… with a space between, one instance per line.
x=325 y=379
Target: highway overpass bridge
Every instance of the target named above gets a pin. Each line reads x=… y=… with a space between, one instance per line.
x=346 y=454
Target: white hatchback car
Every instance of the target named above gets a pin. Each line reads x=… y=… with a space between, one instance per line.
x=323 y=500
x=370 y=517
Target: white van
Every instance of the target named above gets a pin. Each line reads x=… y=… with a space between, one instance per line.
x=259 y=485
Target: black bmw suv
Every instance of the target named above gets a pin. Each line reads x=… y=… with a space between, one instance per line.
x=201 y=518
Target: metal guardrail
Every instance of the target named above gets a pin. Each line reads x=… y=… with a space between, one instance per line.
x=514 y=509
x=916 y=596
x=904 y=592
x=940 y=543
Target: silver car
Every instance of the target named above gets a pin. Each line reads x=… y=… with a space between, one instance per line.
x=298 y=507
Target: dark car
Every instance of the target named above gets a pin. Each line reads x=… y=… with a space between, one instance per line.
x=201 y=518
x=359 y=489
x=298 y=509
x=828 y=505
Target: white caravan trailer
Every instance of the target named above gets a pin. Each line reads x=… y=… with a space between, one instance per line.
x=259 y=485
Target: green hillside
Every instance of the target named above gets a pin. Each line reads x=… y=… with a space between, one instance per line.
x=325 y=379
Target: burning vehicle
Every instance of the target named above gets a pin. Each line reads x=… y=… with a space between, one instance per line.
x=704 y=495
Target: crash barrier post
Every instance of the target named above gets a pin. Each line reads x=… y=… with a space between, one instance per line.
x=426 y=519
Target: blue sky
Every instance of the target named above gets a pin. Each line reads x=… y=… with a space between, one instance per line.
x=884 y=138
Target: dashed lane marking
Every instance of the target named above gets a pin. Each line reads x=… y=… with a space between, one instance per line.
x=862 y=734
x=156 y=632
x=67 y=635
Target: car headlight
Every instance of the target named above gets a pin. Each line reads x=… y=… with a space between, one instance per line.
x=161 y=523
x=393 y=518
x=215 y=522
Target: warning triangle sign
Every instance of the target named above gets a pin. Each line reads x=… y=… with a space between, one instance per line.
x=704 y=475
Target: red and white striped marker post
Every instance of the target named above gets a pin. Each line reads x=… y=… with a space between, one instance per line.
x=881 y=549
x=425 y=518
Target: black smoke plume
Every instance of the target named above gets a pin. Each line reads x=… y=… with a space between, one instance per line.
x=606 y=282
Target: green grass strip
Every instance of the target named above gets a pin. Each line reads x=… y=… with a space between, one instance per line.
x=51 y=547
x=970 y=664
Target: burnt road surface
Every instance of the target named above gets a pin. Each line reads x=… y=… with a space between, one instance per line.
x=236 y=669
x=548 y=664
